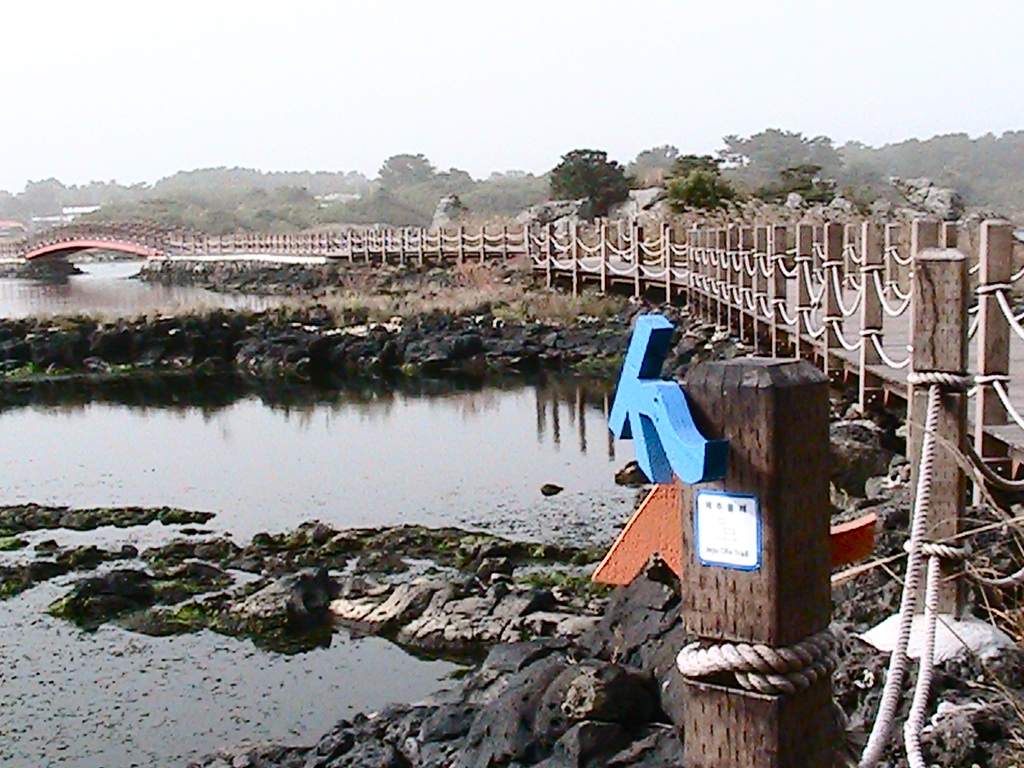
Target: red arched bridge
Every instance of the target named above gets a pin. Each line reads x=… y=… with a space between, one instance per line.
x=142 y=240
x=362 y=243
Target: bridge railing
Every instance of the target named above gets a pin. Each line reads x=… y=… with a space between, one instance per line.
x=839 y=295
x=369 y=245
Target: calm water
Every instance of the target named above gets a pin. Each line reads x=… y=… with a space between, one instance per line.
x=361 y=458
x=107 y=288
x=112 y=698
x=470 y=458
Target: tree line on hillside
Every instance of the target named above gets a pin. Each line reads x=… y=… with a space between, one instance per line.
x=988 y=171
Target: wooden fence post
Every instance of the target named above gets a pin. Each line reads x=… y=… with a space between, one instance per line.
x=832 y=312
x=938 y=336
x=549 y=234
x=604 y=257
x=760 y=285
x=666 y=254
x=948 y=234
x=776 y=284
x=718 y=248
x=734 y=318
x=745 y=281
x=689 y=281
x=870 y=313
x=638 y=258
x=803 y=260
x=704 y=299
x=849 y=252
x=995 y=254
x=574 y=254
x=758 y=571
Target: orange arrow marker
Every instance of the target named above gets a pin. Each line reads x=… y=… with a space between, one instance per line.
x=656 y=528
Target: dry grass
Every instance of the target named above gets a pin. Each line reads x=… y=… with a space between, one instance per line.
x=467 y=289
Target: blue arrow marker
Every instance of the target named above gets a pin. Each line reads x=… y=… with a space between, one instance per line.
x=656 y=414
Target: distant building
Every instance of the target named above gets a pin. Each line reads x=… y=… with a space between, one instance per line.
x=12 y=230
x=67 y=214
x=336 y=197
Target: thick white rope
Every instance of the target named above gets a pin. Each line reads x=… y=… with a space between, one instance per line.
x=922 y=689
x=813 y=333
x=847 y=311
x=1011 y=319
x=766 y=669
x=882 y=727
x=1004 y=397
x=837 y=328
x=889 y=361
x=889 y=309
x=787 y=318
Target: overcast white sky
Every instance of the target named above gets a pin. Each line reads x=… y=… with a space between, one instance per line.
x=134 y=91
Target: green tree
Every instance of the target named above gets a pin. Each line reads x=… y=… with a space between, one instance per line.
x=758 y=162
x=652 y=165
x=403 y=170
x=700 y=188
x=589 y=173
x=683 y=166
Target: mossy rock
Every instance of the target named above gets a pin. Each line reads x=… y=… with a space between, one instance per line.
x=12 y=543
x=98 y=599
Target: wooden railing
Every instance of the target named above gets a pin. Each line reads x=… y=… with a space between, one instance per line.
x=838 y=294
x=400 y=246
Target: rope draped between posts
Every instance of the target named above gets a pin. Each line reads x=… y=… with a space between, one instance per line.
x=937 y=382
x=766 y=669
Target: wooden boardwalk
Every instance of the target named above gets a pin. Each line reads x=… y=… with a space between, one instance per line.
x=835 y=294
x=822 y=294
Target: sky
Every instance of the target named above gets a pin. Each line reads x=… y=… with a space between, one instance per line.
x=135 y=91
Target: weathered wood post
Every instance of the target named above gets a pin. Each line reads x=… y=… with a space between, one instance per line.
x=938 y=336
x=832 y=313
x=721 y=246
x=745 y=281
x=755 y=569
x=849 y=252
x=892 y=244
x=776 y=284
x=804 y=258
x=549 y=236
x=733 y=318
x=604 y=256
x=638 y=257
x=760 y=285
x=574 y=255
x=995 y=254
x=870 y=313
x=948 y=235
x=666 y=254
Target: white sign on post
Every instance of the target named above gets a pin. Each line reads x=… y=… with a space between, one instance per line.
x=728 y=530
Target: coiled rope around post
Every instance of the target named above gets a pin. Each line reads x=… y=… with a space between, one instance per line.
x=882 y=729
x=763 y=668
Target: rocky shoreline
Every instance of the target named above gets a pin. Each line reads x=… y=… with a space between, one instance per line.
x=303 y=345
x=568 y=674
x=563 y=673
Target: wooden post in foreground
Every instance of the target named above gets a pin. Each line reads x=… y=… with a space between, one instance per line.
x=939 y=339
x=759 y=575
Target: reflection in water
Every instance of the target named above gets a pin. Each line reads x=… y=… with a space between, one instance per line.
x=267 y=459
x=106 y=288
x=575 y=398
x=374 y=454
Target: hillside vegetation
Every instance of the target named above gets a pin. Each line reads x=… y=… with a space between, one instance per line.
x=987 y=171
